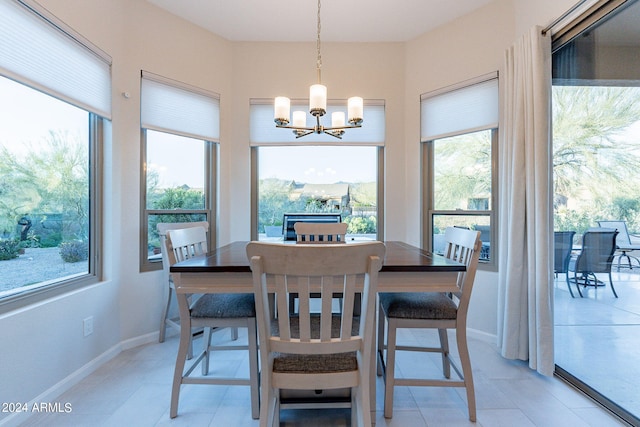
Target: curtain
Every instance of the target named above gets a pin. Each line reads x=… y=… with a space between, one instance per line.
x=525 y=288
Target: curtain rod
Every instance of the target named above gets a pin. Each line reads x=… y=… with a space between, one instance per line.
x=563 y=16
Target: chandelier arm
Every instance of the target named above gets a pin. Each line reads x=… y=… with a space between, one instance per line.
x=335 y=135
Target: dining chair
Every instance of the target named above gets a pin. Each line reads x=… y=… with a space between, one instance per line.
x=441 y=311
x=209 y=311
x=315 y=232
x=318 y=233
x=315 y=351
x=165 y=320
x=595 y=257
x=562 y=247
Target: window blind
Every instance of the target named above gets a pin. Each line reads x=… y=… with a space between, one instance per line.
x=469 y=107
x=263 y=130
x=40 y=51
x=175 y=107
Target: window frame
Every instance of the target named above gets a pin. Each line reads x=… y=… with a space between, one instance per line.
x=210 y=205
x=428 y=198
x=255 y=182
x=96 y=128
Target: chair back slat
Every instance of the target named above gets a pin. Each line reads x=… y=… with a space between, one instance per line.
x=186 y=243
x=320 y=233
x=308 y=270
x=464 y=246
x=163 y=229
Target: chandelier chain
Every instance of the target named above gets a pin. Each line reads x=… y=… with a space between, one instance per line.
x=319 y=60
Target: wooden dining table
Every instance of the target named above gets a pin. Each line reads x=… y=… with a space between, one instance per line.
x=406 y=268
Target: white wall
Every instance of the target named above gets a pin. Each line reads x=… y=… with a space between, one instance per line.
x=43 y=344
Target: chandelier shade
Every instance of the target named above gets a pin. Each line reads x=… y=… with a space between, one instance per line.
x=318 y=108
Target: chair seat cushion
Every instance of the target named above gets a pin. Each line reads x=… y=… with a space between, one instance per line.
x=224 y=306
x=418 y=305
x=315 y=363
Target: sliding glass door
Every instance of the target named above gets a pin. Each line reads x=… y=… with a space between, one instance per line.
x=596 y=146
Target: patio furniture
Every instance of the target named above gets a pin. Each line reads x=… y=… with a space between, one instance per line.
x=562 y=247
x=623 y=241
x=596 y=256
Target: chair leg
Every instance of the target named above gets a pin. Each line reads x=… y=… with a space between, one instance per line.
x=465 y=361
x=234 y=333
x=185 y=341
x=612 y=288
x=575 y=278
x=163 y=319
x=389 y=374
x=444 y=345
x=254 y=375
x=206 y=343
x=569 y=285
x=380 y=350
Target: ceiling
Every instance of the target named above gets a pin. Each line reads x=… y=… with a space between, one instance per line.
x=342 y=20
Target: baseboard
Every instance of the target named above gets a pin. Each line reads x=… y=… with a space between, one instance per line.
x=138 y=341
x=52 y=394
x=482 y=336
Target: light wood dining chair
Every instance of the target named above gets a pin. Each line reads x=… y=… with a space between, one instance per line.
x=434 y=310
x=210 y=311
x=309 y=351
x=316 y=232
x=319 y=233
x=165 y=320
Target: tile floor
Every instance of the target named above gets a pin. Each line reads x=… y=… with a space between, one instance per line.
x=597 y=338
x=134 y=389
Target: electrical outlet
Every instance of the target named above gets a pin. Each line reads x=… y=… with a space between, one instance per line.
x=87 y=326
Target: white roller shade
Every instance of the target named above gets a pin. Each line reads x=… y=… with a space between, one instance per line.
x=175 y=107
x=264 y=131
x=40 y=51
x=470 y=108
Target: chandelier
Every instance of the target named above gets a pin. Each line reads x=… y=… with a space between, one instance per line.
x=318 y=108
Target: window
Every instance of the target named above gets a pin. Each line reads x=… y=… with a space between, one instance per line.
x=55 y=94
x=317 y=175
x=180 y=125
x=318 y=179
x=460 y=137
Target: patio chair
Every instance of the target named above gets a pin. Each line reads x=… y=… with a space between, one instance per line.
x=562 y=247
x=623 y=241
x=596 y=256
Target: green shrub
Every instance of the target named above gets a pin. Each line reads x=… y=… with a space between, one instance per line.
x=74 y=251
x=9 y=249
